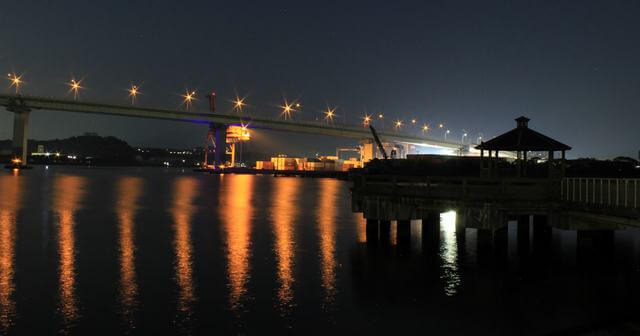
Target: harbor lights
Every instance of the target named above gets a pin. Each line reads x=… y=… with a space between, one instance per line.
x=425 y=128
x=187 y=98
x=134 y=91
x=75 y=87
x=15 y=81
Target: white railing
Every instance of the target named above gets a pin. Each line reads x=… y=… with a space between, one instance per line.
x=611 y=192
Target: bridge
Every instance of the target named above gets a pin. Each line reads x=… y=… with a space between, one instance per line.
x=22 y=105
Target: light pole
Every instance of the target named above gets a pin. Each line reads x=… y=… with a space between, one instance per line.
x=464 y=135
x=445 y=134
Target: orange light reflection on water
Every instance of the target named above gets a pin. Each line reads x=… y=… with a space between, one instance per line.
x=285 y=212
x=184 y=192
x=237 y=212
x=10 y=201
x=128 y=193
x=67 y=195
x=326 y=215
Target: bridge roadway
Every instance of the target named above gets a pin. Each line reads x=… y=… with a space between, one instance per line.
x=16 y=103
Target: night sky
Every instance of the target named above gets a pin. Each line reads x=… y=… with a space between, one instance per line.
x=573 y=67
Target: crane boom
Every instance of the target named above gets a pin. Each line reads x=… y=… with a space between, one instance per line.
x=375 y=137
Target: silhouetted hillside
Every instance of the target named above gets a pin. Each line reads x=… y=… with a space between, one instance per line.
x=87 y=148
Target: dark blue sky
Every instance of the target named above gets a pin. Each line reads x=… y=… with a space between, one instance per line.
x=573 y=67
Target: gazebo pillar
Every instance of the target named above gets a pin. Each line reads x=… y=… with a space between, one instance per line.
x=490 y=164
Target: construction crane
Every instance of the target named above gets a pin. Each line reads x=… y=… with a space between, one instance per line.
x=380 y=147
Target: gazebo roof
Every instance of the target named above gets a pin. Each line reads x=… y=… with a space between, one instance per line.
x=522 y=138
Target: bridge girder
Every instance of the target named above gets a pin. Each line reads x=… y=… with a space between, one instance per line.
x=14 y=102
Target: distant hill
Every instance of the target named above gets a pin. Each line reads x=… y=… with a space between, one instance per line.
x=107 y=149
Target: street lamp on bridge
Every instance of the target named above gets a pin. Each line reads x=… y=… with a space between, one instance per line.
x=134 y=91
x=366 y=120
x=74 y=86
x=288 y=109
x=398 y=124
x=329 y=114
x=188 y=98
x=239 y=103
x=15 y=80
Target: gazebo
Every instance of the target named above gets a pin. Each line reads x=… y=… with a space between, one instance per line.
x=522 y=140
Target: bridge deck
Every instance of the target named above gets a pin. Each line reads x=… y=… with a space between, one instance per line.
x=12 y=101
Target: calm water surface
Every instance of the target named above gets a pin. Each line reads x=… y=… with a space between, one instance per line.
x=162 y=251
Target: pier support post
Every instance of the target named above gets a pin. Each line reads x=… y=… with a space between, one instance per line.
x=385 y=232
x=431 y=232
x=20 y=135
x=523 y=235
x=484 y=245
x=501 y=243
x=403 y=233
x=372 y=232
x=541 y=239
x=221 y=144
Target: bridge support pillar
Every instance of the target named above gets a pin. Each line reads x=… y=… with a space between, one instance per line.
x=372 y=232
x=20 y=135
x=220 y=133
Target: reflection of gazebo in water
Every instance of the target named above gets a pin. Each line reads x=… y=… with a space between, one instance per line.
x=521 y=140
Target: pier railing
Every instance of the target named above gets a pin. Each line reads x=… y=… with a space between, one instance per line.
x=458 y=188
x=602 y=192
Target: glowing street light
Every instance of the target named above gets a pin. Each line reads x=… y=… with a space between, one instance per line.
x=329 y=114
x=187 y=98
x=413 y=121
x=239 y=103
x=445 y=134
x=441 y=126
x=15 y=80
x=366 y=120
x=134 y=91
x=464 y=135
x=398 y=124
x=425 y=128
x=75 y=87
x=288 y=109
